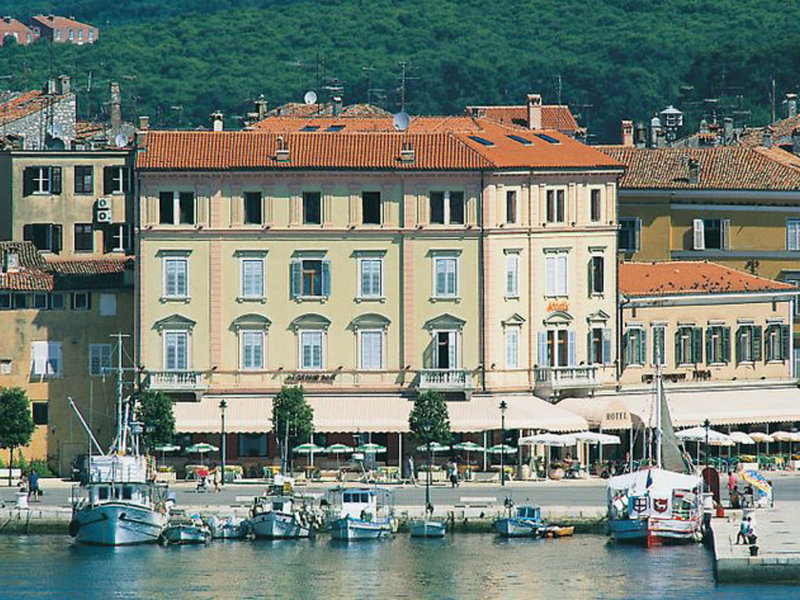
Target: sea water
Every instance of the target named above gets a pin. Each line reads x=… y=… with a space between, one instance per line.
x=458 y=566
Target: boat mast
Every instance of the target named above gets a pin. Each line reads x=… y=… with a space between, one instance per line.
x=659 y=392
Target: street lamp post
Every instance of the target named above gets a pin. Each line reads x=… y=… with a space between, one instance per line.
x=222 y=406
x=426 y=427
x=503 y=407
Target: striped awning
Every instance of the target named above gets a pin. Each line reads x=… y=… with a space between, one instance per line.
x=732 y=406
x=374 y=413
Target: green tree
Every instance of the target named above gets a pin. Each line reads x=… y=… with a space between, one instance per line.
x=155 y=414
x=430 y=412
x=292 y=418
x=16 y=423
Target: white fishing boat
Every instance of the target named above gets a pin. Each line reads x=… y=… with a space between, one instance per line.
x=280 y=514
x=362 y=513
x=227 y=528
x=120 y=504
x=659 y=504
x=428 y=526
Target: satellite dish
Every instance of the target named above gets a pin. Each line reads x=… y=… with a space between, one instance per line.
x=57 y=130
x=401 y=121
x=121 y=140
x=310 y=97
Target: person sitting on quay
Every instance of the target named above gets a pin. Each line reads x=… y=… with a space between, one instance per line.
x=736 y=499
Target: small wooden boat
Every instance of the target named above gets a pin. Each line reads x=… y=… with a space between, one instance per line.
x=526 y=522
x=557 y=531
x=182 y=530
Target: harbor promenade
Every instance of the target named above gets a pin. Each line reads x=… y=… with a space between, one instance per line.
x=778 y=558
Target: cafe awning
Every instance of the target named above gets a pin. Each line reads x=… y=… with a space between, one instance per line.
x=732 y=406
x=375 y=413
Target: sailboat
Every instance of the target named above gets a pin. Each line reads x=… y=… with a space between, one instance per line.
x=658 y=504
x=120 y=503
x=428 y=526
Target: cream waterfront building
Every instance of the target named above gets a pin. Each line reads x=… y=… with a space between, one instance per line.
x=366 y=264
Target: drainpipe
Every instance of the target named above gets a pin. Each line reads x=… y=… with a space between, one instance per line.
x=621 y=303
x=481 y=288
x=532 y=334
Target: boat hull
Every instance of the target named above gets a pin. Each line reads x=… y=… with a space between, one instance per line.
x=117 y=524
x=512 y=527
x=654 y=532
x=186 y=535
x=427 y=528
x=349 y=529
x=276 y=526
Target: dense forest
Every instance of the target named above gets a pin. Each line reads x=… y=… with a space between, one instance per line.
x=610 y=59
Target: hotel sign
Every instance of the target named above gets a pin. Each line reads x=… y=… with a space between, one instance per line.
x=558 y=306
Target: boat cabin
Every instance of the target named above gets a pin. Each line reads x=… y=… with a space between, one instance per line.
x=111 y=492
x=361 y=502
x=529 y=512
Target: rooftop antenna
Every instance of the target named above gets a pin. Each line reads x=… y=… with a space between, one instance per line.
x=558 y=88
x=404 y=79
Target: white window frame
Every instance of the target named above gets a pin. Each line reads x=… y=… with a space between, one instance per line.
x=512 y=275
x=48 y=361
x=187 y=336
x=118 y=179
x=637 y=233
x=103 y=352
x=556 y=267
x=555 y=191
x=165 y=291
x=446 y=294
x=87 y=304
x=312 y=367
x=446 y=209
x=43 y=183
x=176 y=207
x=640 y=340
x=382 y=346
x=454 y=348
x=244 y=294
x=119 y=234
x=792 y=234
x=360 y=292
x=512 y=334
x=243 y=335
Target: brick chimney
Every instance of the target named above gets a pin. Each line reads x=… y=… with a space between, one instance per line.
x=337 y=105
x=534 y=111
x=791 y=105
x=115 y=108
x=627 y=133
x=766 y=137
x=144 y=122
x=217 y=121
x=694 y=171
x=64 y=86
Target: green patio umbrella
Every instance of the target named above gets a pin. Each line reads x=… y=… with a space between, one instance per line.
x=201 y=449
x=164 y=448
x=338 y=449
x=371 y=448
x=310 y=449
x=468 y=447
x=435 y=447
x=502 y=449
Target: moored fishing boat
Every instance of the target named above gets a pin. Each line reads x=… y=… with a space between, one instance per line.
x=280 y=514
x=427 y=527
x=361 y=513
x=526 y=521
x=227 y=528
x=183 y=530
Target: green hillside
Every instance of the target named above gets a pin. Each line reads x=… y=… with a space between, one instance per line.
x=624 y=58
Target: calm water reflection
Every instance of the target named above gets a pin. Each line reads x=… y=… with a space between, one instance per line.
x=461 y=566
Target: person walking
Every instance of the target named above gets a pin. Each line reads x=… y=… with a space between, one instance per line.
x=411 y=476
x=217 y=478
x=453 y=469
x=33 y=486
x=743 y=536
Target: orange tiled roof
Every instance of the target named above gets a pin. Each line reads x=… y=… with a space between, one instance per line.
x=16 y=106
x=781 y=132
x=434 y=150
x=690 y=277
x=10 y=26
x=721 y=168
x=88 y=266
x=374 y=123
x=56 y=22
x=554 y=116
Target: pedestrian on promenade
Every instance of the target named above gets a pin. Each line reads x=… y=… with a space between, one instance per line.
x=411 y=474
x=23 y=482
x=217 y=478
x=453 y=469
x=732 y=479
x=33 y=486
x=744 y=531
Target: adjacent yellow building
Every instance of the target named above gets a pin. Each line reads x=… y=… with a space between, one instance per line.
x=367 y=264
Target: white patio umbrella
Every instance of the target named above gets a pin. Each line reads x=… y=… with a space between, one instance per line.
x=593 y=437
x=740 y=437
x=549 y=440
x=786 y=436
x=698 y=434
x=435 y=447
x=760 y=438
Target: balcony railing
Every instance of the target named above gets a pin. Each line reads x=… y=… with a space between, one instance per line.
x=176 y=381
x=445 y=379
x=554 y=380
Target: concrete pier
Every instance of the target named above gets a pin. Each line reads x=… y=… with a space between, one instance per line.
x=778 y=560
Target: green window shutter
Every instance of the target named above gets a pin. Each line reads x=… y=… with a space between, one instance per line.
x=757 y=343
x=590 y=349
x=709 y=345
x=785 y=333
x=55 y=180
x=642 y=347
x=626 y=344
x=27 y=181
x=677 y=347
x=697 y=344
x=739 y=345
x=326 y=278
x=296 y=274
x=726 y=344
x=606 y=358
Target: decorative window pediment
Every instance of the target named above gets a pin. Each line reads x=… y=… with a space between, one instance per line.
x=445 y=321
x=515 y=320
x=558 y=317
x=174 y=321
x=311 y=321
x=251 y=321
x=600 y=316
x=370 y=321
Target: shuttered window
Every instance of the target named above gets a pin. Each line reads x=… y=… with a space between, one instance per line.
x=748 y=343
x=512 y=275
x=512 y=348
x=718 y=344
x=556 y=275
x=176 y=277
x=311 y=350
x=252 y=349
x=176 y=345
x=310 y=278
x=46 y=359
x=99 y=359
x=371 y=354
x=445 y=277
x=635 y=346
x=252 y=278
